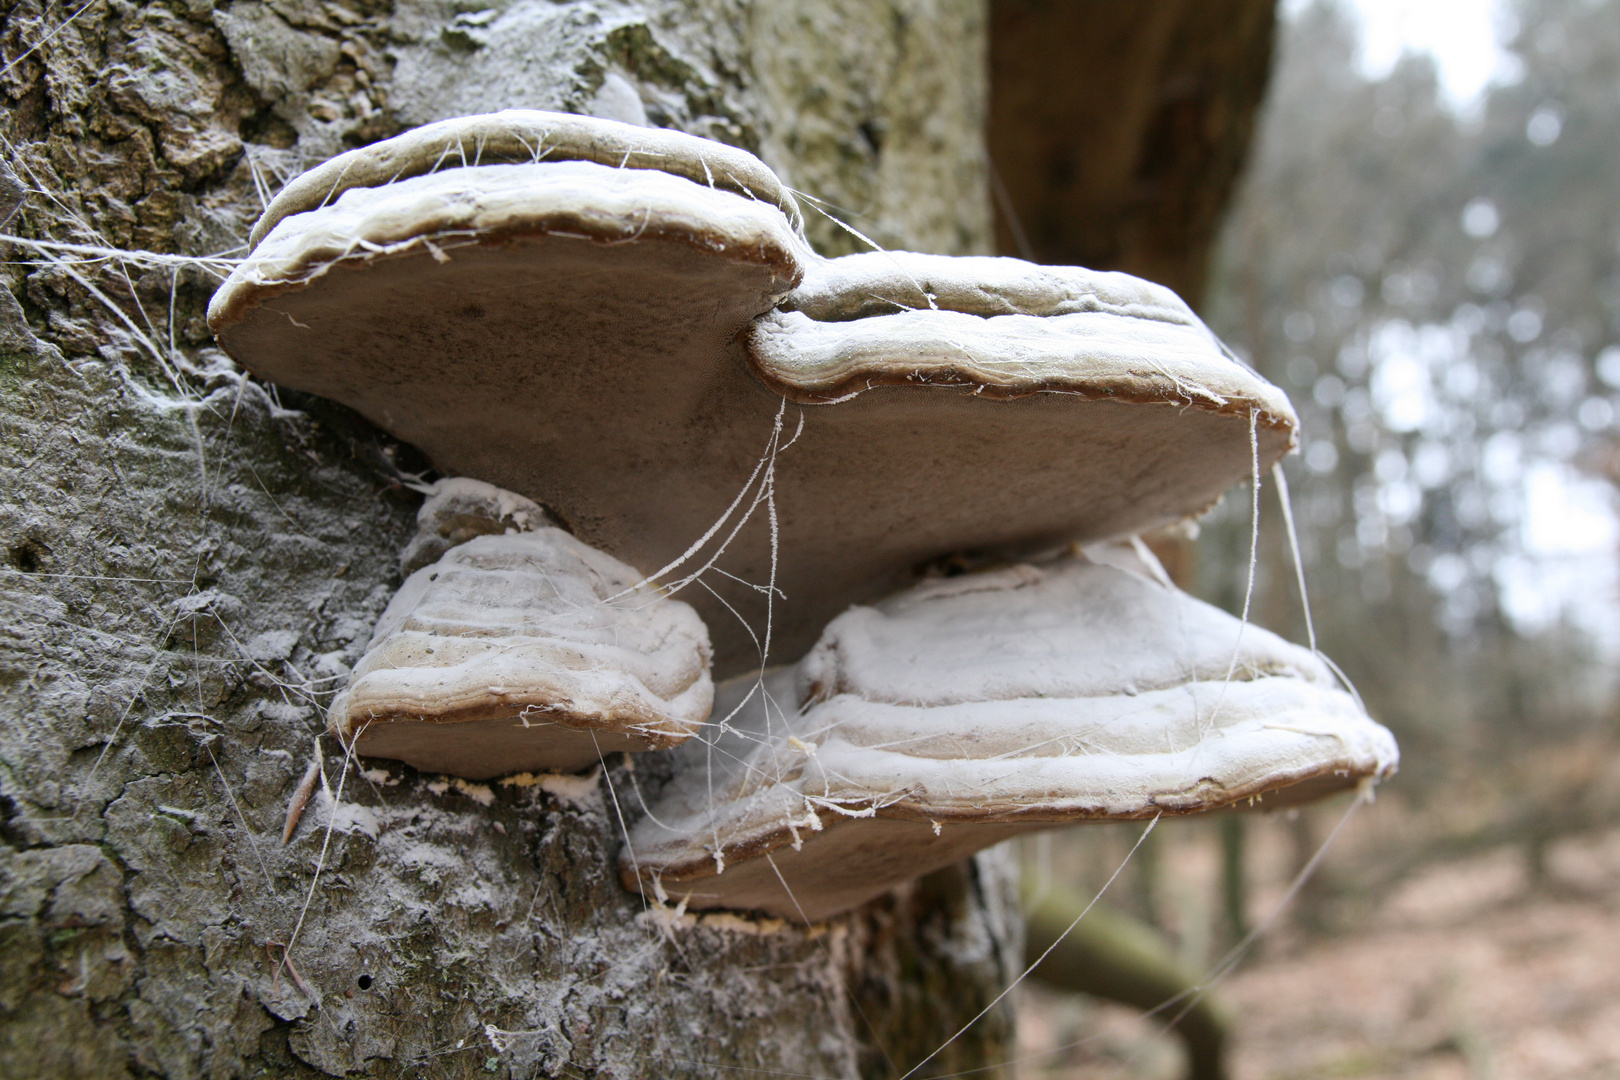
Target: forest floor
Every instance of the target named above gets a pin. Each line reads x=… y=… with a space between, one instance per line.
x=1464 y=972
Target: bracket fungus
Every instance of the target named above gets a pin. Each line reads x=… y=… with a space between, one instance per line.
x=612 y=323
x=586 y=335
x=521 y=650
x=969 y=709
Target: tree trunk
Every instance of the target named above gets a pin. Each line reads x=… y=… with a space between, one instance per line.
x=1118 y=130
x=191 y=562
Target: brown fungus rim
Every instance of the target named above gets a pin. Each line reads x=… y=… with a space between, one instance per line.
x=1321 y=782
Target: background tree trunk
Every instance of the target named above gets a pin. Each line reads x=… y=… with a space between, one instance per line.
x=1118 y=130
x=191 y=562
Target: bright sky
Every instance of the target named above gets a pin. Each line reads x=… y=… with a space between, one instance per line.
x=1460 y=34
x=1565 y=562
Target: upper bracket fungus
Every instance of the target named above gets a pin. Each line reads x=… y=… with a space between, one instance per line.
x=518 y=136
x=585 y=334
x=969 y=709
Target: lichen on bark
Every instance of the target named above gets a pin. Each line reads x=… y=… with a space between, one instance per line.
x=190 y=561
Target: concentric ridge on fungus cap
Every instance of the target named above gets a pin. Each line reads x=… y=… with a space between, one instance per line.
x=527 y=135
x=886 y=282
x=607 y=341
x=527 y=651
x=967 y=710
x=1004 y=328
x=434 y=215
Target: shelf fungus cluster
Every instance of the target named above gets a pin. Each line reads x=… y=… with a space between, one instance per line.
x=622 y=334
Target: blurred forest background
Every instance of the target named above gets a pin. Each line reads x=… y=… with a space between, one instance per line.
x=1436 y=284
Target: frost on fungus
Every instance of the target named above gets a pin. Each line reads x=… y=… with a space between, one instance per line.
x=613 y=323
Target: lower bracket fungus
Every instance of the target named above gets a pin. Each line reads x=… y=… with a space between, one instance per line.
x=521 y=651
x=970 y=709
x=614 y=322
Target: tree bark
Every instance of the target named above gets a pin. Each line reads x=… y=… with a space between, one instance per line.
x=192 y=560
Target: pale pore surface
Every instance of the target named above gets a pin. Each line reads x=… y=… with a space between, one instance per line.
x=990 y=704
x=526 y=652
x=574 y=333
x=527 y=135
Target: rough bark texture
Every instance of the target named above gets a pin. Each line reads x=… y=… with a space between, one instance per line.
x=1118 y=130
x=190 y=564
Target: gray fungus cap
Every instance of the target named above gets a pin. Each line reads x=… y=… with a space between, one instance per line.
x=516 y=136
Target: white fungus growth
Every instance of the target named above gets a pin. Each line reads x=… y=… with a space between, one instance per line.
x=616 y=345
x=528 y=651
